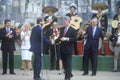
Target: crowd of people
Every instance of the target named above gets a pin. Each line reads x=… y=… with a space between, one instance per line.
x=59 y=42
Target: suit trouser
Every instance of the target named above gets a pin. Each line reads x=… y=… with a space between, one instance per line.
x=52 y=56
x=75 y=48
x=37 y=65
x=116 y=56
x=93 y=56
x=5 y=55
x=67 y=64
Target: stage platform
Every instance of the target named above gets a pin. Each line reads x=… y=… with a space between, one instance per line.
x=105 y=63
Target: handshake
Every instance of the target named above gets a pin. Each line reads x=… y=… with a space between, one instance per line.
x=61 y=39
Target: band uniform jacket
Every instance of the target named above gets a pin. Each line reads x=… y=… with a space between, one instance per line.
x=8 y=44
x=103 y=21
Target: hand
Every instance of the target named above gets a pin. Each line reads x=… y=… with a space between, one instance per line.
x=105 y=38
x=52 y=42
x=83 y=32
x=64 y=39
x=10 y=36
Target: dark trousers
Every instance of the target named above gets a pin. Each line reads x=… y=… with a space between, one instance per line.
x=67 y=64
x=90 y=54
x=5 y=55
x=75 y=48
x=52 y=56
x=37 y=65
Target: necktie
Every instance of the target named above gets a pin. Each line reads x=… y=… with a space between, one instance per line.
x=65 y=30
x=93 y=31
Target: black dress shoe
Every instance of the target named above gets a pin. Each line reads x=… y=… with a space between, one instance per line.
x=71 y=75
x=66 y=79
x=51 y=68
x=4 y=73
x=114 y=71
x=85 y=74
x=13 y=73
x=93 y=74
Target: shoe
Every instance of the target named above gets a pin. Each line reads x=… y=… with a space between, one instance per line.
x=13 y=73
x=114 y=70
x=66 y=79
x=60 y=72
x=4 y=73
x=93 y=75
x=39 y=79
x=103 y=54
x=71 y=75
x=31 y=69
x=85 y=74
x=51 y=69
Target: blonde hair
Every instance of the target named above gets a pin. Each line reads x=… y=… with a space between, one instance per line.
x=26 y=24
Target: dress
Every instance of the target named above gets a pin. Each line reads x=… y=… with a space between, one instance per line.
x=25 y=53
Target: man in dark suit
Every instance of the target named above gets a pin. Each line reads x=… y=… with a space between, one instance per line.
x=37 y=39
x=103 y=23
x=8 y=36
x=93 y=33
x=70 y=14
x=67 y=37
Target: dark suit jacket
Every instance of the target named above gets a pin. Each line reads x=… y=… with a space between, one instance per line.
x=67 y=46
x=36 y=38
x=92 y=42
x=7 y=44
x=103 y=21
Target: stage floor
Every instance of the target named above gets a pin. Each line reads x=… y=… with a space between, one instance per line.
x=53 y=75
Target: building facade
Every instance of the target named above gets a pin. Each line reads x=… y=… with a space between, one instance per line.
x=28 y=10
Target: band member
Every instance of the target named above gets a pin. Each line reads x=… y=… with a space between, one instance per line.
x=93 y=33
x=8 y=36
x=116 y=17
x=52 y=33
x=117 y=50
x=50 y=18
x=70 y=14
x=37 y=39
x=67 y=37
x=72 y=11
x=102 y=22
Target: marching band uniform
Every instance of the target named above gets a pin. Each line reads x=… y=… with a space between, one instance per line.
x=53 y=54
x=117 y=49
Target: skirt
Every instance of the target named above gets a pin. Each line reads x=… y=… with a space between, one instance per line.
x=26 y=54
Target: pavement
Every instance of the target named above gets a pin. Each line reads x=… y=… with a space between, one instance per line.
x=53 y=75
